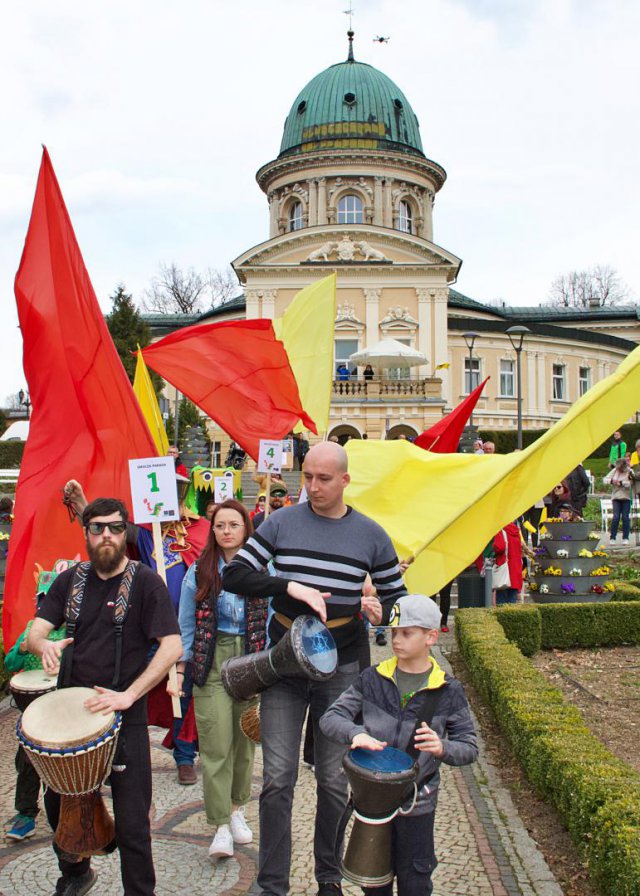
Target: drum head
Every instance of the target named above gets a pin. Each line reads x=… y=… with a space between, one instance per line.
x=388 y=761
x=59 y=719
x=33 y=680
x=318 y=645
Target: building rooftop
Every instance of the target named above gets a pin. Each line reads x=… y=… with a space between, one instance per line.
x=351 y=105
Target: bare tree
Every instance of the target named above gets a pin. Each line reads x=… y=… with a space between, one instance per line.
x=174 y=291
x=597 y=286
x=223 y=285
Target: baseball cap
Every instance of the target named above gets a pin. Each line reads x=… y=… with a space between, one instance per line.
x=415 y=609
x=278 y=488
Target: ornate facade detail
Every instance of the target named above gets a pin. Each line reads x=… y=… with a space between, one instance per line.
x=359 y=183
x=346 y=249
x=347 y=312
x=397 y=315
x=372 y=296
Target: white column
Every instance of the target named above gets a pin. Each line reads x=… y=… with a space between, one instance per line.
x=387 y=207
x=269 y=303
x=322 y=200
x=372 y=316
x=378 y=214
x=313 y=202
x=252 y=304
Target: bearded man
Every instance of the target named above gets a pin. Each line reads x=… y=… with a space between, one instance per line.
x=113 y=660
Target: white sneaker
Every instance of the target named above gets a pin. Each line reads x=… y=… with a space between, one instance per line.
x=240 y=830
x=625 y=541
x=222 y=844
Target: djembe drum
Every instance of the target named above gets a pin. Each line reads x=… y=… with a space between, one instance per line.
x=307 y=650
x=380 y=782
x=72 y=750
x=27 y=686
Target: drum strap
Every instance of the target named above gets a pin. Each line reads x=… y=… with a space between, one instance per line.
x=429 y=702
x=72 y=609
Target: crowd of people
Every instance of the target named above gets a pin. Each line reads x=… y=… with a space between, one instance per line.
x=235 y=583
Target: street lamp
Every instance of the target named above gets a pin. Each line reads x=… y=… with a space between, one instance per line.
x=470 y=339
x=25 y=401
x=516 y=338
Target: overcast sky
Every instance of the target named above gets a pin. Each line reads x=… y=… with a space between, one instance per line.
x=157 y=116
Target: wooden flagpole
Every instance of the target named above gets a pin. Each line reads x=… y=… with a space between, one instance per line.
x=162 y=572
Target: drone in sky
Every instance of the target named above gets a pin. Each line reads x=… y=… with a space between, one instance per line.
x=381 y=40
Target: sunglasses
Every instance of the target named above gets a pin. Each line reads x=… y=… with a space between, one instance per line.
x=114 y=528
x=278 y=494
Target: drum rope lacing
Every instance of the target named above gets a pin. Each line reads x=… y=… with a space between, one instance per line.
x=388 y=818
x=66 y=776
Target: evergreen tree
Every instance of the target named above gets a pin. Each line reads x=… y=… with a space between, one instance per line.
x=128 y=330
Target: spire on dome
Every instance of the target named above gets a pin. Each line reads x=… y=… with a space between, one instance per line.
x=350 y=57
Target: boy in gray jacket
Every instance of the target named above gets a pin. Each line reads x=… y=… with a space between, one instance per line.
x=389 y=705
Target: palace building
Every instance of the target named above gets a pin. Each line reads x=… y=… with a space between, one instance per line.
x=352 y=191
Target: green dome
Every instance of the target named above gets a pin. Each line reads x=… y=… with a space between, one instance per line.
x=351 y=105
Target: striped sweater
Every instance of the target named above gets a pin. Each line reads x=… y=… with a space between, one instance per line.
x=331 y=555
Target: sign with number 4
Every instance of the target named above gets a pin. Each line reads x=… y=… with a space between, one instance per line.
x=154 y=493
x=270 y=456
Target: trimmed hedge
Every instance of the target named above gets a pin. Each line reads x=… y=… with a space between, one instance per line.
x=545 y=626
x=523 y=626
x=597 y=795
x=506 y=441
x=11 y=454
x=589 y=625
x=626 y=590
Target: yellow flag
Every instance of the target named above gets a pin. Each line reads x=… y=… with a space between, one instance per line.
x=307 y=331
x=445 y=508
x=148 y=402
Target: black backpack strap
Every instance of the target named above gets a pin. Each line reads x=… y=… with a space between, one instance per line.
x=72 y=606
x=120 y=610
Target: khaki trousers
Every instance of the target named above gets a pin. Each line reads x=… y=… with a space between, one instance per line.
x=226 y=755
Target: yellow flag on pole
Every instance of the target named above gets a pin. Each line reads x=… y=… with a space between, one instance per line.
x=307 y=331
x=148 y=402
x=445 y=508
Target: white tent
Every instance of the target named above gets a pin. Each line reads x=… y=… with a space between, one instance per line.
x=389 y=353
x=16 y=432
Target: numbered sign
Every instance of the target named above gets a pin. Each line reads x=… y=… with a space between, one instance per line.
x=222 y=488
x=154 y=493
x=270 y=456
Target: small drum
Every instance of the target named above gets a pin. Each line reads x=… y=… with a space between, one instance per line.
x=380 y=781
x=27 y=686
x=72 y=750
x=307 y=650
x=250 y=723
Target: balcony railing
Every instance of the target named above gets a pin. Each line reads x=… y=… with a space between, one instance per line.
x=358 y=389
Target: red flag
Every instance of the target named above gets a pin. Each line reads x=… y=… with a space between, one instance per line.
x=238 y=373
x=85 y=422
x=444 y=436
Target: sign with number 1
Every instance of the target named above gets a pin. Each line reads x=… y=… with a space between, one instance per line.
x=154 y=493
x=270 y=456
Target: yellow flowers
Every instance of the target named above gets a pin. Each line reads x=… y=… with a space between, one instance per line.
x=552 y=571
x=601 y=571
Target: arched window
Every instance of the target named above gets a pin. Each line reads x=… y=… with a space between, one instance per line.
x=405 y=220
x=350 y=210
x=295 y=216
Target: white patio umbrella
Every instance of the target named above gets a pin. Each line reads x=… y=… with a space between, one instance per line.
x=389 y=353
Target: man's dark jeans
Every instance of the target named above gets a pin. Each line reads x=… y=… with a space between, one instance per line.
x=282 y=713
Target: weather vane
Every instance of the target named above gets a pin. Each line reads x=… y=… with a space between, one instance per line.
x=381 y=40
x=351 y=13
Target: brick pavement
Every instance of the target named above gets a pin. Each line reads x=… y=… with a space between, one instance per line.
x=484 y=849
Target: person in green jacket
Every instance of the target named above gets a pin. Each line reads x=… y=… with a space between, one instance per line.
x=618 y=449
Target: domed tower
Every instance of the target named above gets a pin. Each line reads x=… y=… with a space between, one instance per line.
x=352 y=191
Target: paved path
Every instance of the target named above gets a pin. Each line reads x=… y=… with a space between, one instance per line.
x=482 y=845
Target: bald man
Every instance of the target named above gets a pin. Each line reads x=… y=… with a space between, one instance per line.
x=321 y=551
